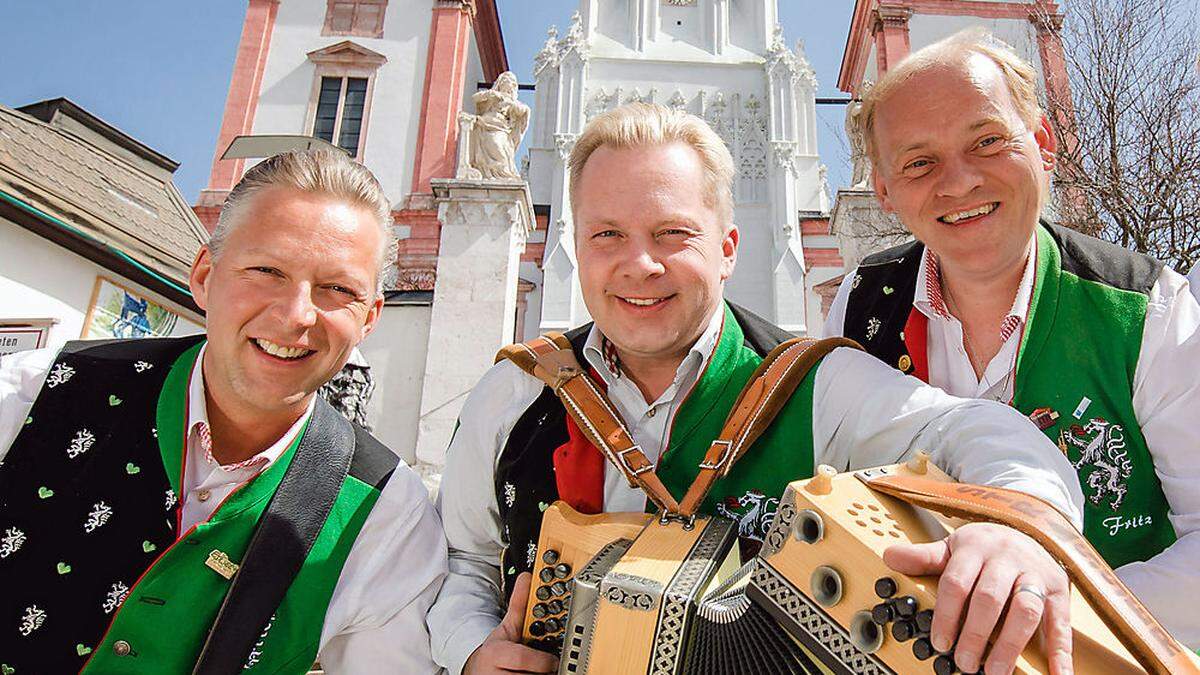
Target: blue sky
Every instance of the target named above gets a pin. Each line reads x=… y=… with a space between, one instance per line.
x=160 y=71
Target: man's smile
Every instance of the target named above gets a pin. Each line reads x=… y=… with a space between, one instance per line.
x=283 y=352
x=969 y=215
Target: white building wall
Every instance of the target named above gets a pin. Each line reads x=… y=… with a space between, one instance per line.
x=289 y=86
x=42 y=280
x=396 y=351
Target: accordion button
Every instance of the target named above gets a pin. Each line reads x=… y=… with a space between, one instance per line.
x=882 y=613
x=924 y=620
x=550 y=557
x=558 y=588
x=554 y=606
x=885 y=587
x=562 y=570
x=905 y=606
x=546 y=575
x=542 y=593
x=944 y=665
x=553 y=625
x=904 y=630
x=923 y=649
x=537 y=629
x=540 y=611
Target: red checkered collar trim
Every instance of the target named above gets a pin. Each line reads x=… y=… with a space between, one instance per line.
x=198 y=423
x=929 y=292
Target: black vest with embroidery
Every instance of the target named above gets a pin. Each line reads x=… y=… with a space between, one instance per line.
x=524 y=479
x=85 y=504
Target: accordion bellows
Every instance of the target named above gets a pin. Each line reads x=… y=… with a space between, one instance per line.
x=636 y=595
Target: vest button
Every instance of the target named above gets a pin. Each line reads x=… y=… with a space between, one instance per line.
x=203 y=495
x=121 y=648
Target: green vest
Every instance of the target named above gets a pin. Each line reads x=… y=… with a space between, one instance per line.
x=167 y=614
x=1078 y=357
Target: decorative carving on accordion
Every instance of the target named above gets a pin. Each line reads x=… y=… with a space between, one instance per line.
x=631 y=592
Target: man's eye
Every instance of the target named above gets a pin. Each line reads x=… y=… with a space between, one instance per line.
x=605 y=234
x=343 y=290
x=917 y=164
x=990 y=140
x=266 y=270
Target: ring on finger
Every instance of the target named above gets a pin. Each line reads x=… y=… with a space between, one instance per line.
x=1031 y=589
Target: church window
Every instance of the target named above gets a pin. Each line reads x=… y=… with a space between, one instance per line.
x=363 y=18
x=340 y=109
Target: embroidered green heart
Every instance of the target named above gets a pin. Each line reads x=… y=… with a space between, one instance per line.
x=888 y=290
x=131 y=468
x=512 y=570
x=28 y=420
x=45 y=493
x=82 y=649
x=7 y=669
x=148 y=546
x=542 y=506
x=63 y=568
x=113 y=400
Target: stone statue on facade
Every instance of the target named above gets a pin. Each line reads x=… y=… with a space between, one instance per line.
x=495 y=132
x=860 y=178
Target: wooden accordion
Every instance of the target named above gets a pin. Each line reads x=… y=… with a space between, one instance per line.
x=630 y=593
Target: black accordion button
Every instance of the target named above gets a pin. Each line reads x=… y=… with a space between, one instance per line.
x=904 y=630
x=562 y=570
x=537 y=629
x=885 y=587
x=558 y=588
x=550 y=556
x=923 y=649
x=924 y=620
x=554 y=606
x=883 y=614
x=540 y=611
x=944 y=665
x=905 y=606
x=546 y=575
x=543 y=593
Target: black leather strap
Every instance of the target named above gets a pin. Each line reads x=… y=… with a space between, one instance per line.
x=284 y=536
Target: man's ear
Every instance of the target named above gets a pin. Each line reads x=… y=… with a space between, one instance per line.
x=881 y=191
x=373 y=314
x=729 y=246
x=200 y=275
x=1047 y=143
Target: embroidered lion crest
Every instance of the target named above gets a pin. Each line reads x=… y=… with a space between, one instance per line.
x=753 y=512
x=1101 y=446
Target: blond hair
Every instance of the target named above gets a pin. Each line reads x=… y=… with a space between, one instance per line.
x=319 y=171
x=636 y=125
x=1019 y=77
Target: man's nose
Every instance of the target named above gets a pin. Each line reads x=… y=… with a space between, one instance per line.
x=642 y=262
x=958 y=178
x=297 y=307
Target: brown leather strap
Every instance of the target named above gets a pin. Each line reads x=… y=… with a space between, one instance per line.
x=1149 y=643
x=765 y=394
x=551 y=359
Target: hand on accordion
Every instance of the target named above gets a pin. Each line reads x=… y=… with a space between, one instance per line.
x=984 y=568
x=502 y=651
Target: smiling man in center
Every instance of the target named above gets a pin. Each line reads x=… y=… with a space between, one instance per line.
x=655 y=243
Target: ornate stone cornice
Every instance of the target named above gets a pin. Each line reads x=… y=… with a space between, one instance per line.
x=574 y=40
x=548 y=55
x=892 y=16
x=1046 y=22
x=564 y=143
x=467 y=6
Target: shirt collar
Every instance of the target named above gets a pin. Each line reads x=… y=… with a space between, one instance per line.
x=929 y=301
x=197 y=421
x=602 y=355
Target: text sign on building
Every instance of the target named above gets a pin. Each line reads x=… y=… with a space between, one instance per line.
x=21 y=338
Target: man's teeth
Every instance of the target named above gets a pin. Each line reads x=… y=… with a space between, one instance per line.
x=281 y=351
x=643 y=302
x=982 y=210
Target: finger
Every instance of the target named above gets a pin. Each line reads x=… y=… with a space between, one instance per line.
x=514 y=618
x=918 y=559
x=522 y=659
x=1056 y=626
x=954 y=588
x=1025 y=612
x=991 y=593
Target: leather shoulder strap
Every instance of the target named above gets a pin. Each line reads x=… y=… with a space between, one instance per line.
x=551 y=359
x=765 y=394
x=281 y=542
x=1123 y=613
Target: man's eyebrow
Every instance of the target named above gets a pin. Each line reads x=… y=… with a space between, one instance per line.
x=992 y=119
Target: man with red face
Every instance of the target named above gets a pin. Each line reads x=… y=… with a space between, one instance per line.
x=655 y=242
x=1095 y=344
x=189 y=503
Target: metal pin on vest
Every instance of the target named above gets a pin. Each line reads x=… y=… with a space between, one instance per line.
x=219 y=562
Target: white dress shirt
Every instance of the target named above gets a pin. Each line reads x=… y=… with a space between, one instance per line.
x=375 y=621
x=1166 y=401
x=864 y=414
